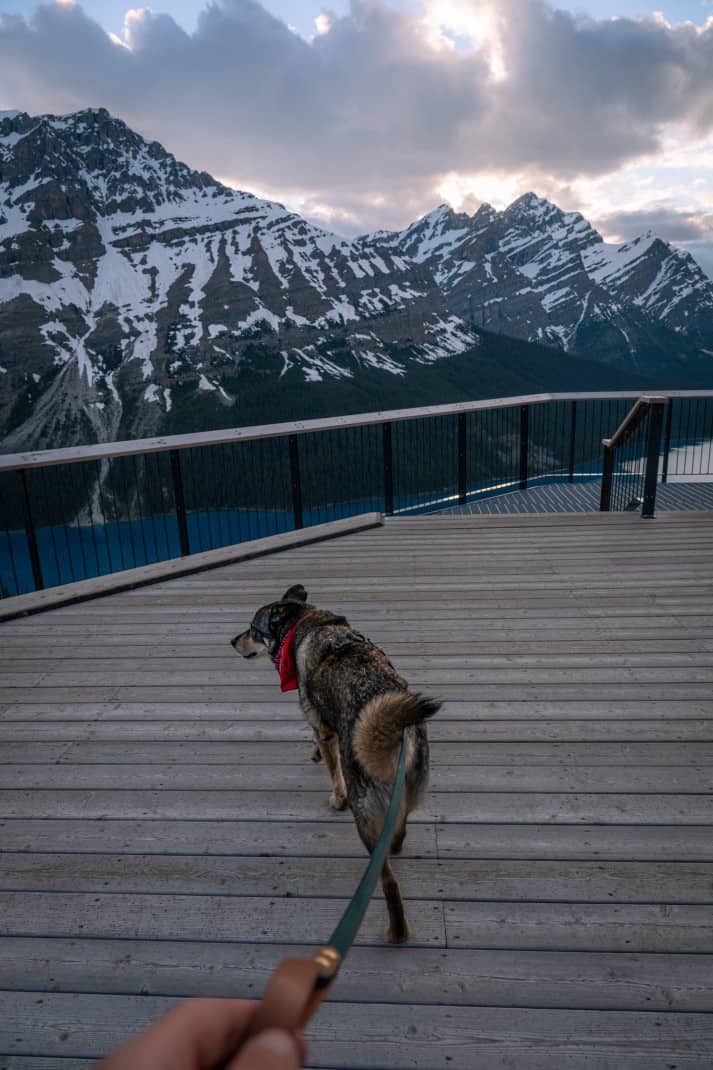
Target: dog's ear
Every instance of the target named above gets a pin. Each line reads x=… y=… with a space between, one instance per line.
x=295 y=594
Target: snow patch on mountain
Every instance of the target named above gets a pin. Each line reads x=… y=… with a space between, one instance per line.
x=148 y=276
x=539 y=273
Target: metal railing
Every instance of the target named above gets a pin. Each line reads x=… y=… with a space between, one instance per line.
x=688 y=439
x=630 y=465
x=84 y=511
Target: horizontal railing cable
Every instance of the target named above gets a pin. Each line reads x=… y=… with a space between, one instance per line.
x=68 y=515
x=77 y=454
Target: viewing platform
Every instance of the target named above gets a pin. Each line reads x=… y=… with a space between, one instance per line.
x=164 y=833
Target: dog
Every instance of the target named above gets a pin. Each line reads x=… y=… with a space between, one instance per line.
x=358 y=707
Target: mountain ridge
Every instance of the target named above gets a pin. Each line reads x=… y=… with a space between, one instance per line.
x=127 y=270
x=558 y=278
x=132 y=287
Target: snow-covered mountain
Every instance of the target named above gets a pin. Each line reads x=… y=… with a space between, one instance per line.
x=130 y=284
x=139 y=297
x=536 y=272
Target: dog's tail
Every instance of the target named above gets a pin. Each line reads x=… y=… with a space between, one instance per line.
x=378 y=732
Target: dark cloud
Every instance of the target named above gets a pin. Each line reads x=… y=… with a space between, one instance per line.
x=586 y=95
x=245 y=95
x=371 y=106
x=399 y=201
x=691 y=231
x=672 y=224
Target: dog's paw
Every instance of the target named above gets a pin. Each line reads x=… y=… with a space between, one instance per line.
x=338 y=802
x=316 y=755
x=400 y=937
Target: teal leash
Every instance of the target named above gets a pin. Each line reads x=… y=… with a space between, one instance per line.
x=298 y=986
x=345 y=933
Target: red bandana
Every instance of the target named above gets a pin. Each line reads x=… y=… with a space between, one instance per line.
x=285 y=661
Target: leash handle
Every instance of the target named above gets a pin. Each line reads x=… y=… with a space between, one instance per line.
x=295 y=991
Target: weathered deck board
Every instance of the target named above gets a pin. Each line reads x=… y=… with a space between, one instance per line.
x=235 y=755
x=466 y=977
x=508 y=806
x=420 y=878
x=368 y=1035
x=640 y=927
x=326 y=837
x=164 y=832
x=539 y=693
x=657 y=779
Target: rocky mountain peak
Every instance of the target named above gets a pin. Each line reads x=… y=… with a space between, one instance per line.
x=540 y=273
x=133 y=289
x=532 y=211
x=485 y=213
x=531 y=203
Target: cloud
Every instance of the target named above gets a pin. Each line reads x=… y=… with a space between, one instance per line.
x=379 y=103
x=702 y=253
x=672 y=224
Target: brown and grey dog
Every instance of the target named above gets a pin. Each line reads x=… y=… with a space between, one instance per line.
x=358 y=707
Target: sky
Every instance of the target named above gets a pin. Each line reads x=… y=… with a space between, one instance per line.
x=366 y=114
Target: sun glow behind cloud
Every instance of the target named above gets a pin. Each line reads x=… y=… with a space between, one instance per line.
x=133 y=18
x=323 y=23
x=478 y=27
x=464 y=191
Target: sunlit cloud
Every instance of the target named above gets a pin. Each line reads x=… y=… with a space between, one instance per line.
x=133 y=20
x=116 y=40
x=464 y=192
x=477 y=26
x=322 y=23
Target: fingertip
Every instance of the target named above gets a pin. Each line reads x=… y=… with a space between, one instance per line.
x=273 y=1049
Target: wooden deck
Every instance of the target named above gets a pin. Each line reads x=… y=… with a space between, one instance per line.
x=164 y=833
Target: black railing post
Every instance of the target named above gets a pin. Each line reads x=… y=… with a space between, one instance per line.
x=462 y=459
x=607 y=474
x=30 y=531
x=667 y=440
x=180 y=500
x=296 y=481
x=388 y=471
x=524 y=443
x=572 y=441
x=652 y=458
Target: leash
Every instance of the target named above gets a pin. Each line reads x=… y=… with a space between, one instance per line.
x=298 y=986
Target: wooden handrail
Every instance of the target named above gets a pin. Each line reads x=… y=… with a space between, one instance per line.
x=132 y=447
x=632 y=419
x=645 y=406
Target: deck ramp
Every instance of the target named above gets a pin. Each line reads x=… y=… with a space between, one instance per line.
x=164 y=833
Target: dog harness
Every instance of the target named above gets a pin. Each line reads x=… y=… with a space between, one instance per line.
x=285 y=660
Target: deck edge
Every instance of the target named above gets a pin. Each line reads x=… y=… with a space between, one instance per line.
x=85 y=590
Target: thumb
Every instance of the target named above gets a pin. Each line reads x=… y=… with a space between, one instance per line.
x=273 y=1049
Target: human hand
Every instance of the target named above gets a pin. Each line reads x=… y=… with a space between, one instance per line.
x=207 y=1034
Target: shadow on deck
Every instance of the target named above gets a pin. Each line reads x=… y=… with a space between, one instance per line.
x=165 y=834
